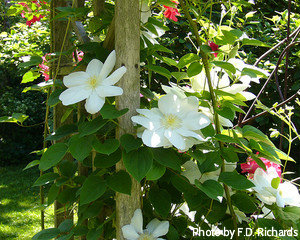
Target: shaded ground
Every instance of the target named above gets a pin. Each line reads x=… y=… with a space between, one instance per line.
x=19 y=202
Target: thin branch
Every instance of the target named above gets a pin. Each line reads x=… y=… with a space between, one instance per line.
x=271 y=75
x=294 y=34
x=265 y=112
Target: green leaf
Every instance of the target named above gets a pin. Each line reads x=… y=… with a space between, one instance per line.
x=52 y=194
x=67 y=195
x=226 y=113
x=180 y=75
x=32 y=164
x=225 y=65
x=187 y=59
x=90 y=127
x=275 y=182
x=107 y=147
x=182 y=184
x=34 y=61
x=269 y=224
x=250 y=132
x=156 y=171
x=229 y=154
x=62 y=132
x=194 y=69
x=120 y=182
x=211 y=188
x=80 y=147
x=168 y=3
x=110 y=112
x=235 y=180
x=243 y=202
x=129 y=142
x=158 y=47
x=54 y=97
x=15 y=118
x=160 y=70
x=161 y=201
x=93 y=188
x=53 y=156
x=46 y=234
x=106 y=161
x=138 y=162
x=254 y=42
x=212 y=160
x=283 y=156
x=169 y=61
x=225 y=138
x=94 y=233
x=66 y=226
x=45 y=179
x=167 y=158
x=197 y=155
x=30 y=76
x=67 y=168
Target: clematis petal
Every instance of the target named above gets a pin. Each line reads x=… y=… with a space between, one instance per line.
x=137 y=221
x=154 y=138
x=161 y=230
x=94 y=103
x=94 y=67
x=129 y=232
x=153 y=113
x=188 y=133
x=75 y=79
x=195 y=121
x=151 y=226
x=108 y=65
x=169 y=104
x=248 y=95
x=74 y=95
x=176 y=139
x=146 y=122
x=109 y=91
x=115 y=76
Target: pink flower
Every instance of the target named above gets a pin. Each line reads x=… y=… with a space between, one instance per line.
x=214 y=47
x=171 y=13
x=250 y=166
x=79 y=55
x=44 y=68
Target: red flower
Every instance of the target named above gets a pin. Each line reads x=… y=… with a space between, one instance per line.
x=34 y=18
x=171 y=13
x=214 y=47
x=250 y=166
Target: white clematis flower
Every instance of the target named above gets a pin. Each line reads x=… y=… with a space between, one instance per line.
x=174 y=122
x=93 y=85
x=206 y=111
x=154 y=230
x=284 y=194
x=200 y=83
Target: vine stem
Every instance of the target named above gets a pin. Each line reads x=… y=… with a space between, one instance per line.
x=42 y=195
x=214 y=104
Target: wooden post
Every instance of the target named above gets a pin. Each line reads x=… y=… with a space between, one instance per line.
x=127 y=45
x=60 y=35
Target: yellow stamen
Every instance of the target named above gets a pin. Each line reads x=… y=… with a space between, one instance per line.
x=93 y=82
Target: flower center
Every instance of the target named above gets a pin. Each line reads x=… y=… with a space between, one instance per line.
x=93 y=82
x=171 y=121
x=145 y=236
